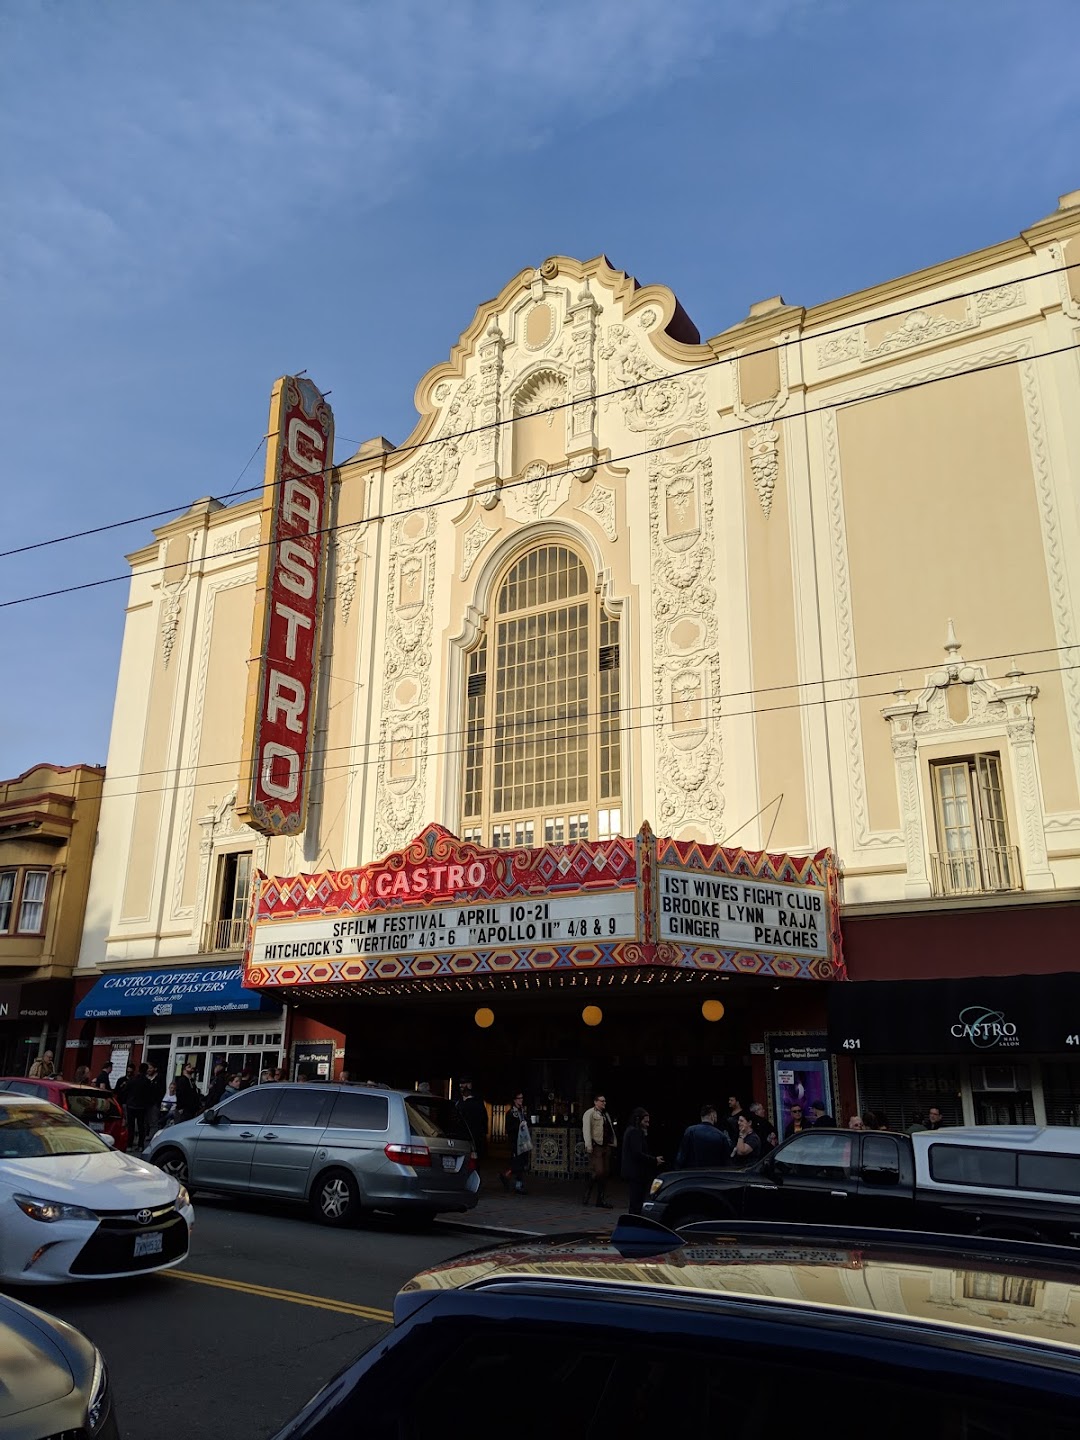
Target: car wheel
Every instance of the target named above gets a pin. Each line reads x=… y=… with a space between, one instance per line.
x=173 y=1162
x=335 y=1198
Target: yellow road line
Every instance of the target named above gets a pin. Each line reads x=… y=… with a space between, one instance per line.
x=292 y=1297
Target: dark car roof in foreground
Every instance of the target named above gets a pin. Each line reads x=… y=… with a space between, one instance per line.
x=927 y=1279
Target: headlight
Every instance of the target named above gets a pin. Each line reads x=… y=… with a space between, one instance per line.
x=98 y=1409
x=655 y=1186
x=183 y=1199
x=51 y=1210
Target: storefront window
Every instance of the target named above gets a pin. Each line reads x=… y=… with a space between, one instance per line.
x=903 y=1093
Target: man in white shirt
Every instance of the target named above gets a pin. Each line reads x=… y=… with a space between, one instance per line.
x=599 y=1135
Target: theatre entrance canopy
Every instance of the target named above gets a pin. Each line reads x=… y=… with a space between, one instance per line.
x=444 y=915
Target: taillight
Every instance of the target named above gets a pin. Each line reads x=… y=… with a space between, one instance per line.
x=416 y=1155
x=470 y=1164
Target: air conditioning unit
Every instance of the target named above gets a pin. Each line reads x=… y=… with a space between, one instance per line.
x=994 y=1077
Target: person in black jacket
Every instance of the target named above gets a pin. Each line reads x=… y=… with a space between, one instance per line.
x=137 y=1099
x=820 y=1117
x=703 y=1145
x=218 y=1081
x=638 y=1166
x=188 y=1099
x=157 y=1095
x=474 y=1117
x=519 y=1138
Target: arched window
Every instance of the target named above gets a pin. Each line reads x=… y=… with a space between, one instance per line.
x=542 y=757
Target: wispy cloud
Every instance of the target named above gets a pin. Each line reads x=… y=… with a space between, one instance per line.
x=147 y=141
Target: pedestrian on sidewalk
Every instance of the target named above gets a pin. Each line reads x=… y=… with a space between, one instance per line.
x=747 y=1147
x=474 y=1117
x=188 y=1098
x=218 y=1080
x=43 y=1067
x=703 y=1145
x=138 y=1096
x=157 y=1095
x=599 y=1135
x=763 y=1127
x=520 y=1140
x=638 y=1166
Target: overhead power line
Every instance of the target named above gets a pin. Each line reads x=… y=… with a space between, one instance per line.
x=454 y=436
x=500 y=486
x=418 y=752
x=516 y=729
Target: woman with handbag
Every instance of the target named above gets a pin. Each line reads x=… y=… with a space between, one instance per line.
x=520 y=1141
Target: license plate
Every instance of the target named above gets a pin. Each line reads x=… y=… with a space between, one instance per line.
x=449 y=1162
x=148 y=1244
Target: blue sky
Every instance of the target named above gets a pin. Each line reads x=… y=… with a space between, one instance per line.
x=198 y=197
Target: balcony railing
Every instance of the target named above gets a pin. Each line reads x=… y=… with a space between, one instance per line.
x=221 y=935
x=976 y=872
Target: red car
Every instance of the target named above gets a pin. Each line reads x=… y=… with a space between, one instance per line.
x=96 y=1108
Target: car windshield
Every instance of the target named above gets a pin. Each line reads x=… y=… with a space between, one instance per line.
x=30 y=1132
x=434 y=1117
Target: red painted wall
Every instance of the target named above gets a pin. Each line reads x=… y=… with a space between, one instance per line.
x=938 y=945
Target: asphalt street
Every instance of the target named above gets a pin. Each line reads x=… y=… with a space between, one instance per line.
x=267 y=1307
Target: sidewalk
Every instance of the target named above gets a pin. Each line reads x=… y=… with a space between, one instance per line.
x=550 y=1208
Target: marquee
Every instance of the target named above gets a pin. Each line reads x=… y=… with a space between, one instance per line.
x=442 y=908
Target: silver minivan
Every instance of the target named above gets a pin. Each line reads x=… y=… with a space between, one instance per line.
x=340 y=1149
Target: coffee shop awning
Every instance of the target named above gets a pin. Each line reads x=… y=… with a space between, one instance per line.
x=209 y=990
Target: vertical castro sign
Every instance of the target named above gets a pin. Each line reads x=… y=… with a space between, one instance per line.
x=283 y=671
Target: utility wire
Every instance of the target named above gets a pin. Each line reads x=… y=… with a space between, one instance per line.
x=513 y=729
x=418 y=753
x=498 y=487
x=709 y=364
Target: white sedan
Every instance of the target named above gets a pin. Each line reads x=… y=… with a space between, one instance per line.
x=73 y=1208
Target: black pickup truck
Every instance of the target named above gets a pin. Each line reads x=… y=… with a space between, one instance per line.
x=1011 y=1181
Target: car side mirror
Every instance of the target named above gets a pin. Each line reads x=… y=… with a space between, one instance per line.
x=110 y=1141
x=211 y=1117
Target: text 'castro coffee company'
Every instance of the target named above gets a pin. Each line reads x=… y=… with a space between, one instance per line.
x=285 y=635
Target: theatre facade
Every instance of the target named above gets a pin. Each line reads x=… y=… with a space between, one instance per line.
x=760 y=652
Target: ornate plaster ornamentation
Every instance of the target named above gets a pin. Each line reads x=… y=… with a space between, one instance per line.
x=765 y=463
x=433 y=470
x=544 y=391
x=920 y=327
x=347 y=561
x=582 y=318
x=763 y=441
x=472 y=544
x=987 y=708
x=488 y=438
x=689 y=755
x=223 y=544
x=1054 y=549
x=662 y=403
x=171 y=600
x=600 y=503
x=407 y=658
x=837 y=348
